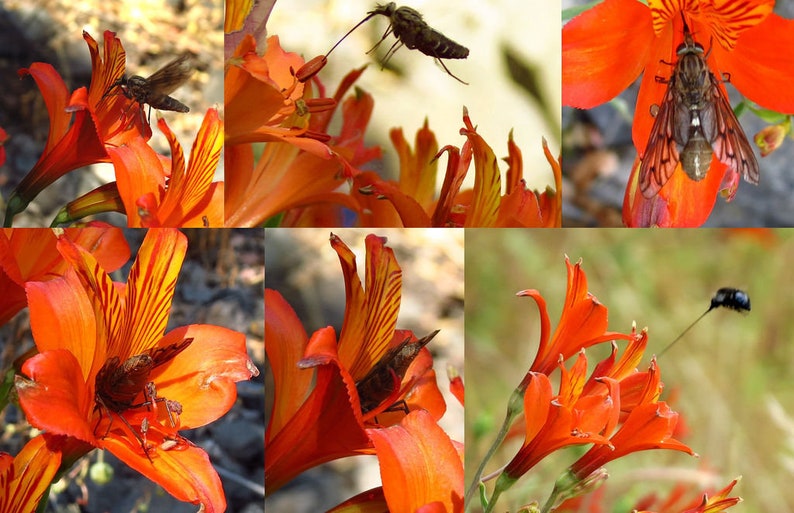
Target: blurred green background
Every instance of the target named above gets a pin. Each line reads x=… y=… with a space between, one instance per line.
x=731 y=374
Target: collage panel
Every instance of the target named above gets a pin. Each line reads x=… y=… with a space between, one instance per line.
x=575 y=326
x=429 y=114
x=364 y=342
x=676 y=115
x=145 y=344
x=111 y=112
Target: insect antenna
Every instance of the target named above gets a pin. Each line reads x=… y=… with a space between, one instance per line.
x=727 y=297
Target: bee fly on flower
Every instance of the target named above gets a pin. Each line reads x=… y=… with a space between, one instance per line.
x=154 y=90
x=728 y=297
x=118 y=385
x=386 y=376
x=693 y=122
x=412 y=31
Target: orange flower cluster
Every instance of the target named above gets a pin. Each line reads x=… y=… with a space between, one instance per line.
x=616 y=409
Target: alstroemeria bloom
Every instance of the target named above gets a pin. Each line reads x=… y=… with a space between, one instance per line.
x=29 y=254
x=73 y=140
x=86 y=326
x=583 y=323
x=411 y=201
x=318 y=416
x=25 y=478
x=607 y=47
x=157 y=192
x=301 y=164
x=568 y=418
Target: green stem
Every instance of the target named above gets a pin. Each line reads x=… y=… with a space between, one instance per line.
x=514 y=408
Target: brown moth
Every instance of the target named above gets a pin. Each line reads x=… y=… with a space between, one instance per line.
x=385 y=377
x=154 y=90
x=118 y=384
x=412 y=31
x=693 y=122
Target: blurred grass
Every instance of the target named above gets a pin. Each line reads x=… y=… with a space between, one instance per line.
x=726 y=372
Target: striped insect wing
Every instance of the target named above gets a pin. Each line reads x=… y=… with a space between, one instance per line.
x=734 y=299
x=166 y=80
x=383 y=379
x=161 y=355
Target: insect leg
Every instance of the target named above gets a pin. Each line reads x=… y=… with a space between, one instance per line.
x=396 y=46
x=449 y=72
x=385 y=35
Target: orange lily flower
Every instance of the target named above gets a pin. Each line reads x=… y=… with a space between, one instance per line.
x=29 y=254
x=583 y=323
x=411 y=201
x=107 y=375
x=25 y=479
x=318 y=417
x=157 y=193
x=646 y=38
x=569 y=418
x=119 y=120
x=648 y=426
x=301 y=165
x=71 y=144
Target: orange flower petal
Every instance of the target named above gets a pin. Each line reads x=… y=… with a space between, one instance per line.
x=150 y=288
x=26 y=477
x=184 y=471
x=286 y=342
x=371 y=313
x=603 y=51
x=139 y=171
x=325 y=428
x=484 y=208
x=58 y=399
x=62 y=317
x=757 y=70
x=203 y=377
x=419 y=464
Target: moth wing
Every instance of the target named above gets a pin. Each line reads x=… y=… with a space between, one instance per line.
x=729 y=142
x=661 y=152
x=167 y=79
x=161 y=355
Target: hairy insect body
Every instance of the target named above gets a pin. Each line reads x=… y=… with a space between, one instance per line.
x=411 y=30
x=154 y=90
x=385 y=377
x=118 y=385
x=694 y=121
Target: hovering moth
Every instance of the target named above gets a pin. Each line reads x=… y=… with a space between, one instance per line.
x=154 y=90
x=412 y=31
x=693 y=122
x=728 y=297
x=385 y=377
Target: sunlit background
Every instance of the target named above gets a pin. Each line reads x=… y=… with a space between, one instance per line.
x=731 y=374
